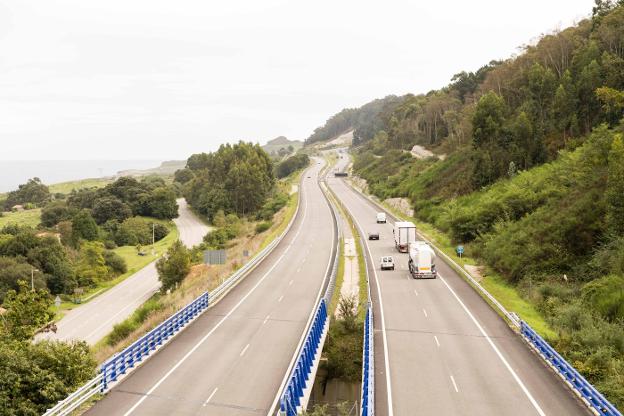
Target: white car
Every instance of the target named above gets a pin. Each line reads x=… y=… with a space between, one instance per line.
x=387 y=263
x=381 y=218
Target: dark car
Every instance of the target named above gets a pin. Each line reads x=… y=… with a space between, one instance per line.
x=373 y=235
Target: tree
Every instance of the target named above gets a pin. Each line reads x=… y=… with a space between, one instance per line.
x=91 y=267
x=110 y=207
x=84 y=226
x=612 y=103
x=55 y=212
x=12 y=270
x=27 y=311
x=174 y=266
x=33 y=191
x=161 y=203
x=35 y=376
x=488 y=120
x=615 y=187
x=183 y=175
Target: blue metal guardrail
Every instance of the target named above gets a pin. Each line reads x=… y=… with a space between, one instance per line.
x=300 y=376
x=593 y=398
x=135 y=353
x=368 y=366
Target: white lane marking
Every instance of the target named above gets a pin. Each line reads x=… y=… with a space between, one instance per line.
x=383 y=320
x=266 y=319
x=498 y=353
x=304 y=260
x=496 y=350
x=454 y=384
x=415 y=292
x=280 y=298
x=290 y=283
x=298 y=269
x=303 y=335
x=425 y=312
x=205 y=337
x=211 y=395
x=244 y=350
x=436 y=340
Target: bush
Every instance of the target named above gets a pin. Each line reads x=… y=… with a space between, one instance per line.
x=263 y=226
x=138 y=230
x=55 y=212
x=115 y=262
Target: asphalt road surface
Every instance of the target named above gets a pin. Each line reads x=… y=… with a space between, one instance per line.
x=234 y=358
x=93 y=320
x=440 y=348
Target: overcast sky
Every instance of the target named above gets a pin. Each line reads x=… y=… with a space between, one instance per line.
x=151 y=79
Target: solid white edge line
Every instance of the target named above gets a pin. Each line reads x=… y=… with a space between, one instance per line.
x=496 y=350
x=383 y=320
x=205 y=337
x=303 y=336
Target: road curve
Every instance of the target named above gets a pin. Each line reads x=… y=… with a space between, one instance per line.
x=447 y=350
x=233 y=359
x=93 y=320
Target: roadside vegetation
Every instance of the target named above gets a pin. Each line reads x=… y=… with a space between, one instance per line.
x=527 y=174
x=182 y=271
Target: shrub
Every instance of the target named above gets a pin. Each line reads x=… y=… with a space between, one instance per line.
x=115 y=263
x=263 y=226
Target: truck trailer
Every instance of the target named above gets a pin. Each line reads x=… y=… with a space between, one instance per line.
x=422 y=260
x=404 y=233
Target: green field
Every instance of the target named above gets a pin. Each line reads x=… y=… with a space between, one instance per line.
x=30 y=217
x=67 y=187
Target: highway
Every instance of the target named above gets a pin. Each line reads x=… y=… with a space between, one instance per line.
x=93 y=320
x=234 y=359
x=439 y=347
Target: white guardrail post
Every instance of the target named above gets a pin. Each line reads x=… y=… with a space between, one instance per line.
x=130 y=358
x=592 y=398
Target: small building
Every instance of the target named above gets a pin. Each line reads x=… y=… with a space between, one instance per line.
x=17 y=208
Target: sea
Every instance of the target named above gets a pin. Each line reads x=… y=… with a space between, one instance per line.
x=16 y=172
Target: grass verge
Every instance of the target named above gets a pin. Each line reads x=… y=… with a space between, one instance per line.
x=30 y=218
x=67 y=187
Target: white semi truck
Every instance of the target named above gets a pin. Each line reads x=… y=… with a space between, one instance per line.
x=404 y=233
x=421 y=260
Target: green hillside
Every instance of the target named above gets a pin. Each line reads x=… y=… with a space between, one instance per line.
x=532 y=183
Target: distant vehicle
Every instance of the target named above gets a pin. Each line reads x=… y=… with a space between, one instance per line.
x=341 y=174
x=387 y=263
x=421 y=261
x=309 y=176
x=373 y=235
x=381 y=218
x=404 y=233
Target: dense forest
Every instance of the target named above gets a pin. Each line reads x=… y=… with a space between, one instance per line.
x=528 y=174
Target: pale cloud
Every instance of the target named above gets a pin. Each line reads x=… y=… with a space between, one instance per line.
x=150 y=79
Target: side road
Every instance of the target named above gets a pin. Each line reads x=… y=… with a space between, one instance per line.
x=93 y=320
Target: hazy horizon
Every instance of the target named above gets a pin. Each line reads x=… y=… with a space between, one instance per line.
x=150 y=80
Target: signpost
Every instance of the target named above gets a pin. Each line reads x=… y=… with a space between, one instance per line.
x=459 y=250
x=215 y=257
